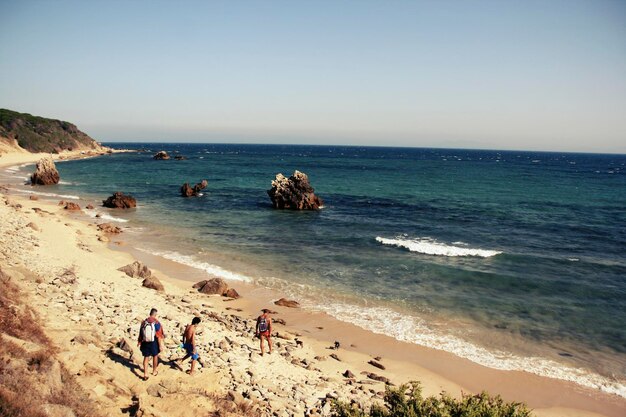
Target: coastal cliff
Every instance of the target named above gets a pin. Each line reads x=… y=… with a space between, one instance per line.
x=23 y=131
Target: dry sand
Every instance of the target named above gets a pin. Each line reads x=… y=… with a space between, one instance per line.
x=70 y=273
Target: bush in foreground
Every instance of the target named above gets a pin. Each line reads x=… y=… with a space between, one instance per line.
x=407 y=401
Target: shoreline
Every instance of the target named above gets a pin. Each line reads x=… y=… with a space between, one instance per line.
x=404 y=361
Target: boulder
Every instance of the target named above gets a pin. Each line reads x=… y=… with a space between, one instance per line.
x=231 y=293
x=287 y=303
x=161 y=155
x=188 y=191
x=294 y=193
x=136 y=270
x=45 y=173
x=71 y=206
x=109 y=228
x=120 y=200
x=214 y=286
x=153 y=283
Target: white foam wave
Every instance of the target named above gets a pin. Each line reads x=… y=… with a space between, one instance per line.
x=204 y=266
x=67 y=196
x=432 y=247
x=104 y=216
x=410 y=329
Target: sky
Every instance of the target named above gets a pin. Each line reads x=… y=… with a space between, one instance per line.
x=536 y=75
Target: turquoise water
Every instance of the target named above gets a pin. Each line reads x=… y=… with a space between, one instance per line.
x=512 y=259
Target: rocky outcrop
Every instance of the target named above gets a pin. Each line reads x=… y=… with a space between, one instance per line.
x=161 y=155
x=153 y=283
x=46 y=173
x=287 y=303
x=71 y=206
x=120 y=200
x=40 y=134
x=188 y=191
x=216 y=286
x=294 y=193
x=136 y=270
x=180 y=158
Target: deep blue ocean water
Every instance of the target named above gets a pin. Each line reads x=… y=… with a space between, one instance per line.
x=516 y=260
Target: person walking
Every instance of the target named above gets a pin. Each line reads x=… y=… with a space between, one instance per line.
x=189 y=343
x=150 y=337
x=264 y=329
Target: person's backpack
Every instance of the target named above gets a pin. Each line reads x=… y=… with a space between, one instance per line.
x=262 y=325
x=149 y=331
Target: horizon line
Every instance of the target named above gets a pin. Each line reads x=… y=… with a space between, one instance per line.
x=368 y=146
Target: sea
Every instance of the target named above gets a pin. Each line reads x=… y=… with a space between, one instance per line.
x=514 y=260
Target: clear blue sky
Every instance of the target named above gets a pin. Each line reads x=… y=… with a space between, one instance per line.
x=548 y=75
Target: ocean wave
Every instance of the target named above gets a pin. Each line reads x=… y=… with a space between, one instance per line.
x=67 y=196
x=104 y=216
x=410 y=329
x=432 y=247
x=204 y=266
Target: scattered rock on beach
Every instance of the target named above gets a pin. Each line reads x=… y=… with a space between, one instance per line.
x=120 y=200
x=216 y=286
x=136 y=270
x=46 y=173
x=89 y=207
x=33 y=197
x=348 y=374
x=287 y=303
x=161 y=155
x=109 y=228
x=294 y=193
x=188 y=191
x=153 y=282
x=72 y=206
x=33 y=226
x=377 y=364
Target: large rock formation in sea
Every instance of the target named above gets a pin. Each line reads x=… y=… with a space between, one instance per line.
x=120 y=200
x=45 y=173
x=188 y=191
x=294 y=193
x=39 y=134
x=161 y=155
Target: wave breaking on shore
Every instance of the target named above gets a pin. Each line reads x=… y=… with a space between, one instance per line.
x=430 y=246
x=190 y=261
x=411 y=329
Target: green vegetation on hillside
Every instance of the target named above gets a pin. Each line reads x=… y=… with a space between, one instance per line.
x=39 y=134
x=407 y=401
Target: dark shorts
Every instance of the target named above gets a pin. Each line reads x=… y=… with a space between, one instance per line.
x=189 y=350
x=150 y=348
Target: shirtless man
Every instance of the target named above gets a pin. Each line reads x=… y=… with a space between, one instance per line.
x=189 y=343
x=264 y=329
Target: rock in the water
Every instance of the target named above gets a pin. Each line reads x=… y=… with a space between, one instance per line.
x=153 y=282
x=136 y=270
x=46 y=173
x=188 y=191
x=161 y=155
x=109 y=228
x=214 y=286
x=287 y=303
x=120 y=200
x=294 y=193
x=180 y=158
x=71 y=206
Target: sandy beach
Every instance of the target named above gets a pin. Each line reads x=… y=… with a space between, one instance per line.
x=69 y=270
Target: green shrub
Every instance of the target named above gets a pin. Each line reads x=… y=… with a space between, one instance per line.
x=407 y=401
